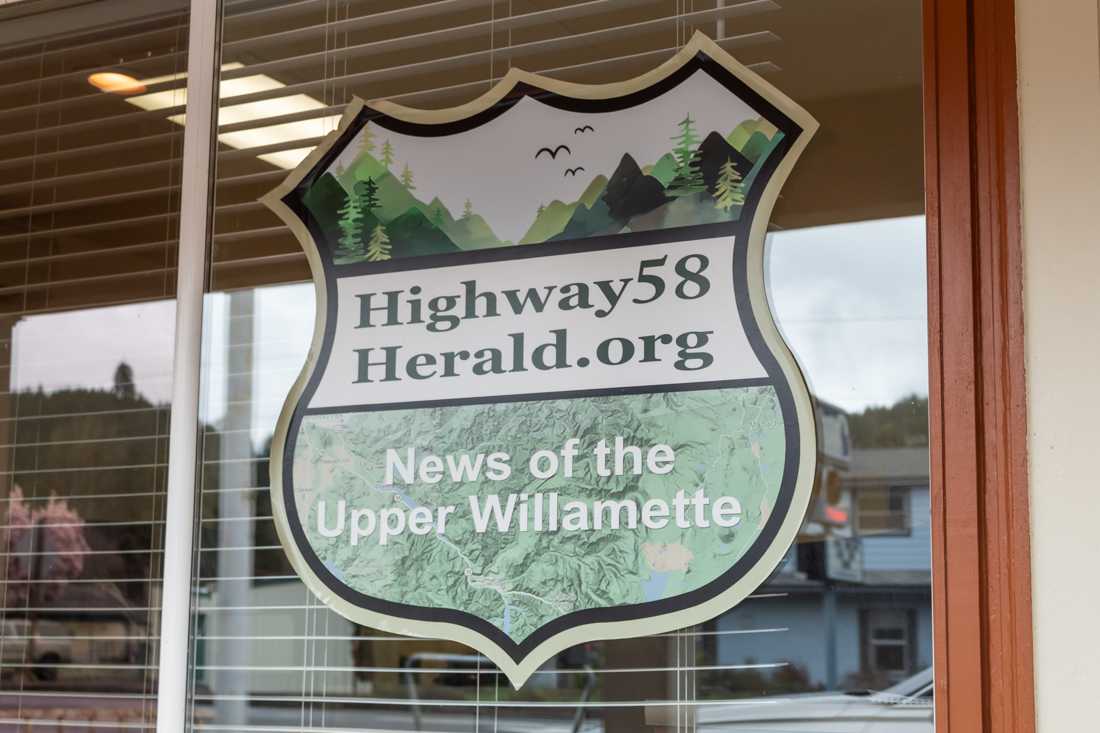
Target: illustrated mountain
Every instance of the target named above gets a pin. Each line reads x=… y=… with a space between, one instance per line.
x=551 y=219
x=630 y=192
x=751 y=137
x=346 y=215
x=369 y=210
x=713 y=153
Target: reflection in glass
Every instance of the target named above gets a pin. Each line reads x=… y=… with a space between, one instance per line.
x=848 y=611
x=840 y=635
x=81 y=535
x=89 y=197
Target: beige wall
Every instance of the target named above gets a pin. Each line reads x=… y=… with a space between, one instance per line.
x=1059 y=68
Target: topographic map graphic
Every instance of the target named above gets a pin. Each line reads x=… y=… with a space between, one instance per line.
x=729 y=440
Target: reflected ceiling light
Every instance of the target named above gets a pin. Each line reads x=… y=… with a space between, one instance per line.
x=116 y=82
x=231 y=114
x=278 y=134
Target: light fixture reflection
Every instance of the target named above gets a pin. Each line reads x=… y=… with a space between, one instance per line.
x=229 y=114
x=116 y=82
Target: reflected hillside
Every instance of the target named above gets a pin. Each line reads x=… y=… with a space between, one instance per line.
x=83 y=513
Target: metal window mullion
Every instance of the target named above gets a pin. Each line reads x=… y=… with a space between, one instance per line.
x=194 y=236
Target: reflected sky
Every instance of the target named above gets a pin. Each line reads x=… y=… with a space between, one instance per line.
x=849 y=298
x=82 y=348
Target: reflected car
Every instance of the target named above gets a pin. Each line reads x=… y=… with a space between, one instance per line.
x=38 y=647
x=904 y=708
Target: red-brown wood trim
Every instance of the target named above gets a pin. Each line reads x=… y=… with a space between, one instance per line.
x=981 y=554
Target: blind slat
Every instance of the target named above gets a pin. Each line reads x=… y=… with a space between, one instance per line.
x=173 y=59
x=122 y=249
x=38 y=49
x=452 y=703
x=78 y=497
x=480 y=84
x=569 y=69
x=399 y=637
x=94 y=226
x=99 y=150
x=68 y=415
x=113 y=122
x=506 y=52
x=247 y=20
x=549 y=17
x=92 y=176
x=88 y=95
x=490 y=671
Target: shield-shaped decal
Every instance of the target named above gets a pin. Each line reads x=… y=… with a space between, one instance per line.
x=546 y=402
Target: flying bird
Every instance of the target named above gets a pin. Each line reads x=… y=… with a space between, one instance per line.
x=584 y=128
x=553 y=153
x=574 y=171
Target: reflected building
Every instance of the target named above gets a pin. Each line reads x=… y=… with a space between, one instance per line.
x=849 y=608
x=81 y=542
x=851 y=602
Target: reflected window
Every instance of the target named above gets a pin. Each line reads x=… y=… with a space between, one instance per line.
x=888 y=640
x=883 y=511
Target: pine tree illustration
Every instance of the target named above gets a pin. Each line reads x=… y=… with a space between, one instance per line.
x=350 y=245
x=467 y=210
x=368 y=139
x=378 y=248
x=542 y=208
x=407 y=179
x=387 y=154
x=729 y=189
x=689 y=174
x=366 y=195
x=437 y=215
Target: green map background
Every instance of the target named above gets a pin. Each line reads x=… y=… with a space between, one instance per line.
x=727 y=442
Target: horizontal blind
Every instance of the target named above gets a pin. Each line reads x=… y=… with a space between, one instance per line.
x=89 y=203
x=267 y=655
x=311 y=58
x=88 y=179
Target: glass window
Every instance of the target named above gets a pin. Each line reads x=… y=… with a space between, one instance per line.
x=846 y=278
x=89 y=203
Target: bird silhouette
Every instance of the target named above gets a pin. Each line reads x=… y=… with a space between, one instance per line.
x=553 y=153
x=574 y=171
x=584 y=128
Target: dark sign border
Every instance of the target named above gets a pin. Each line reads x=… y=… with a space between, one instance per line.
x=739 y=230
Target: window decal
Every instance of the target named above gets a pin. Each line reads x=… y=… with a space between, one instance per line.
x=546 y=401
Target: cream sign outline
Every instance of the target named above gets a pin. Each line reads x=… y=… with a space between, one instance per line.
x=546 y=402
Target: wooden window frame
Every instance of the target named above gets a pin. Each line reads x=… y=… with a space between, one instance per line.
x=980 y=523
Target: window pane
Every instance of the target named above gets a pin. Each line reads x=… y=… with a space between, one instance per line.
x=846 y=280
x=89 y=201
x=889 y=634
x=889 y=658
